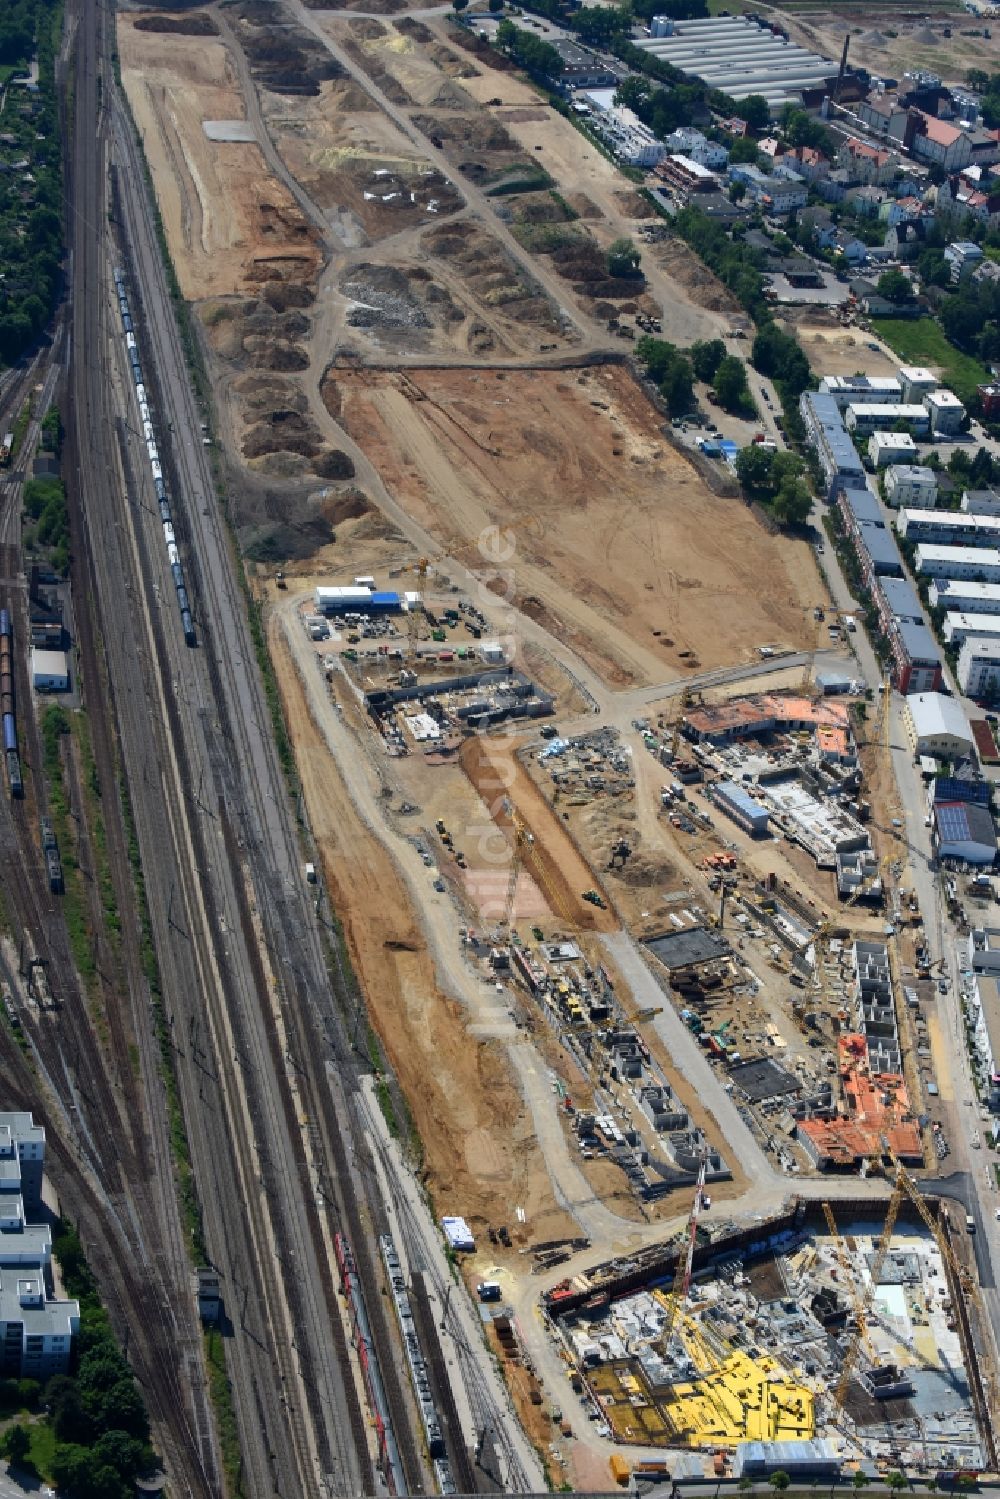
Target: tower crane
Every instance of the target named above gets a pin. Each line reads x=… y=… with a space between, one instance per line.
x=678 y=1293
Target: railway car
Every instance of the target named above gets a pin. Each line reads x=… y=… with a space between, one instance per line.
x=153 y=451
x=164 y=512
x=14 y=773
x=177 y=573
x=168 y=533
x=53 y=868
x=47 y=832
x=147 y=429
x=187 y=625
x=9 y=732
x=143 y=412
x=161 y=491
x=429 y=1418
x=127 y=320
x=129 y=340
x=157 y=471
x=173 y=557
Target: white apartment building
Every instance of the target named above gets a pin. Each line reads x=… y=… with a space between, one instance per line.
x=961 y=597
x=911 y=484
x=864 y=419
x=916 y=382
x=978 y=669
x=982 y=564
x=861 y=390
x=945 y=411
x=892 y=448
x=959 y=626
x=981 y=502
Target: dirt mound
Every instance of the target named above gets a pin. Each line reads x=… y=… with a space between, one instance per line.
x=283 y=58
x=382 y=299
x=261 y=395
x=875 y=39
x=334 y=464
x=189 y=25
x=283 y=431
x=351 y=505
x=925 y=36
x=415 y=30
x=281 y=295
x=492 y=276
x=275 y=354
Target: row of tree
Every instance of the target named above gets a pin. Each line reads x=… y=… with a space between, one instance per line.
x=30 y=207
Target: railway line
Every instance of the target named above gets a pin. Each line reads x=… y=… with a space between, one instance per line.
x=253 y=1017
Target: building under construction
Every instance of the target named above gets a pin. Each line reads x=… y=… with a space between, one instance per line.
x=843 y=1334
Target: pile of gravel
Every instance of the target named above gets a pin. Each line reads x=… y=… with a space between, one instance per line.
x=874 y=39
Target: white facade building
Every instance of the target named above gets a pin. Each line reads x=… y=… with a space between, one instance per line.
x=960 y=597
x=892 y=447
x=861 y=390
x=945 y=411
x=978 y=669
x=911 y=484
x=958 y=626
x=864 y=419
x=979 y=563
x=981 y=502
x=936 y=725
x=916 y=382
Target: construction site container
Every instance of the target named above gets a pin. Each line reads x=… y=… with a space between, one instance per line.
x=620 y=1469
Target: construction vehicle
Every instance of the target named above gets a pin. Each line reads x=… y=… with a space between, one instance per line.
x=279 y=579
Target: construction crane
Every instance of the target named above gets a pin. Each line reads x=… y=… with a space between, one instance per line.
x=678 y=1294
x=904 y=1187
x=850 y=1284
x=523 y=840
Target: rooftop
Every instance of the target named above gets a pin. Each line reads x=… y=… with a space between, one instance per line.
x=933 y=714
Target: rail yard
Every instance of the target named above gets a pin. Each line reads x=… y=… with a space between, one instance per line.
x=468 y=912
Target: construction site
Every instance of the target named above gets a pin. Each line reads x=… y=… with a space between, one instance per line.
x=853 y=1338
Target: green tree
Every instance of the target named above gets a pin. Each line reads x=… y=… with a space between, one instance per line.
x=495 y=7
x=459 y=5
x=731 y=384
x=779 y=1481
x=753 y=468
x=706 y=356
x=677 y=386
x=791 y=504
x=743 y=151
x=894 y=286
x=756 y=111
x=16 y=1444
x=860 y=1480
x=623 y=258
x=896 y=1481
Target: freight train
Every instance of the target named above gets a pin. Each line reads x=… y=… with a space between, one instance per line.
x=156 y=468
x=429 y=1419
x=7 y=704
x=53 y=863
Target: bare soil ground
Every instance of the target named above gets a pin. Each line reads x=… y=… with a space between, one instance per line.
x=479 y=1146
x=918 y=40
x=229 y=224
x=833 y=349
x=615 y=534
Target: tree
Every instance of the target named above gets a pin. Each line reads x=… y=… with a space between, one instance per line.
x=897 y=1481
x=860 y=1480
x=495 y=7
x=743 y=150
x=676 y=387
x=623 y=259
x=753 y=467
x=16 y=1445
x=894 y=286
x=790 y=507
x=756 y=111
x=731 y=384
x=706 y=356
x=779 y=1481
x=459 y=5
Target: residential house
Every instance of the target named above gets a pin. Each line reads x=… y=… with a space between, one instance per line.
x=957 y=195
x=810 y=164
x=962 y=256
x=871 y=301
x=869 y=164
x=854 y=250
x=820 y=224
x=775 y=195
x=835 y=185
x=692 y=143
x=867 y=201
x=937 y=142
x=901 y=210
x=906 y=240
x=770 y=146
